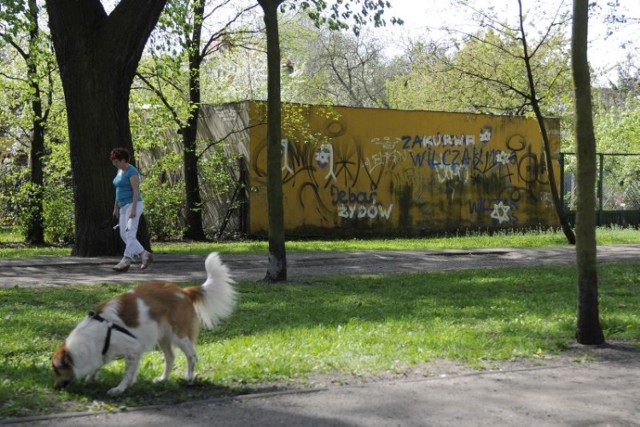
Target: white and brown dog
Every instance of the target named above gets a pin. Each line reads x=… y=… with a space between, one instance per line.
x=131 y=324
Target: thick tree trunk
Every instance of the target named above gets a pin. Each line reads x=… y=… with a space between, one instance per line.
x=277 y=270
x=98 y=55
x=95 y=135
x=588 y=330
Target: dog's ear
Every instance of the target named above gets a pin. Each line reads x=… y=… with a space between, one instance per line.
x=62 y=364
x=61 y=358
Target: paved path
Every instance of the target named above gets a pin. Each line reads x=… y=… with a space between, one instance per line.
x=190 y=268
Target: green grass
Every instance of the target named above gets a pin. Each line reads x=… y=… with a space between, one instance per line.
x=338 y=326
x=11 y=248
x=470 y=240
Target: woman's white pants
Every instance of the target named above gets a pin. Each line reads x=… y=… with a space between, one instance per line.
x=133 y=247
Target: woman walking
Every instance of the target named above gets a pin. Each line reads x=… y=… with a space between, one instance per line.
x=128 y=207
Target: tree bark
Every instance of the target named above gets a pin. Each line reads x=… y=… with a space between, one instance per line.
x=557 y=203
x=193 y=215
x=588 y=330
x=98 y=55
x=277 y=270
x=194 y=229
x=35 y=229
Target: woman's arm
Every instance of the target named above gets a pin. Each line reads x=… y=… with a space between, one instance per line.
x=135 y=186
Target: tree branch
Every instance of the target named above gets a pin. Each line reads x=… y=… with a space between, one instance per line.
x=162 y=99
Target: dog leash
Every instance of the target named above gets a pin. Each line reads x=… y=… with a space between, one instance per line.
x=107 y=340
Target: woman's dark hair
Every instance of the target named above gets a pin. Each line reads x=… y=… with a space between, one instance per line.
x=120 y=153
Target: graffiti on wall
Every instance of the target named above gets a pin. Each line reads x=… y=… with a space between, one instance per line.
x=483 y=177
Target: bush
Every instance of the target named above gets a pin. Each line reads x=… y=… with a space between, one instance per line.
x=163 y=206
x=58 y=206
x=12 y=181
x=26 y=201
x=57 y=211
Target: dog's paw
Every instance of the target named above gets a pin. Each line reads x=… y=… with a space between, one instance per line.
x=91 y=378
x=116 y=391
x=190 y=380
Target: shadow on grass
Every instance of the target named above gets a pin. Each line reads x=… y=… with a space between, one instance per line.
x=27 y=390
x=147 y=391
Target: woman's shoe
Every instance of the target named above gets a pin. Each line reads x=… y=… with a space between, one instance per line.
x=123 y=265
x=147 y=259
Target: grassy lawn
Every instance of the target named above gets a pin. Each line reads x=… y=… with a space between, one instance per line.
x=10 y=246
x=347 y=326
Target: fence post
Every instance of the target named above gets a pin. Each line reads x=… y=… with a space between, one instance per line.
x=600 y=179
x=562 y=182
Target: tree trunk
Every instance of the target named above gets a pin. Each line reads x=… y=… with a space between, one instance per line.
x=588 y=330
x=555 y=196
x=98 y=55
x=277 y=270
x=35 y=229
x=95 y=135
x=194 y=230
x=193 y=214
x=557 y=203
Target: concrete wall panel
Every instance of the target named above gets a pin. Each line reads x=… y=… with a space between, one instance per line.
x=360 y=171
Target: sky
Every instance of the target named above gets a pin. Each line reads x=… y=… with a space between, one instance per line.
x=427 y=17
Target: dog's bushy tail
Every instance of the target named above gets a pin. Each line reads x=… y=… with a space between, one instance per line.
x=216 y=298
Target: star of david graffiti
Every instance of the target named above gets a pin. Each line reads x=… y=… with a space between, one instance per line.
x=500 y=212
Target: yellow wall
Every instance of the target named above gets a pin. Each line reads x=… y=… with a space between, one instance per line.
x=374 y=171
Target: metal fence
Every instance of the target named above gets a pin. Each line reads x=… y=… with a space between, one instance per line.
x=617 y=188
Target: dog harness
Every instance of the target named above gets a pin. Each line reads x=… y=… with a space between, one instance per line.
x=107 y=340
